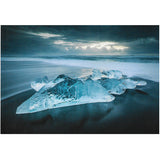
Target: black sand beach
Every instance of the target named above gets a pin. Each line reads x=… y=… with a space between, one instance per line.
x=136 y=111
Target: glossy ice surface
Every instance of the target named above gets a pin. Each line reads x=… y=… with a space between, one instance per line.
x=65 y=91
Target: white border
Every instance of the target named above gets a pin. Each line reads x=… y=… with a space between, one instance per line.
x=81 y=147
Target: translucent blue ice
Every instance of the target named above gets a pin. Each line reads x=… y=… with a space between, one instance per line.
x=113 y=74
x=39 y=83
x=113 y=86
x=96 y=74
x=141 y=83
x=65 y=91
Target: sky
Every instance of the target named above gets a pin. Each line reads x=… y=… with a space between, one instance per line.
x=79 y=40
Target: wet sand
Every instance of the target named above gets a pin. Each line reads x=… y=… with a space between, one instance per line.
x=136 y=111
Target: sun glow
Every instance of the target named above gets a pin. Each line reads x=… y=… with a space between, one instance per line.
x=98 y=45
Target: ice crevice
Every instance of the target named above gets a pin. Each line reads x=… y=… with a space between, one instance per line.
x=100 y=86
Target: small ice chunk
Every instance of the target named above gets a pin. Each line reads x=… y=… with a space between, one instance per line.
x=113 y=86
x=96 y=74
x=113 y=74
x=141 y=83
x=129 y=83
x=39 y=83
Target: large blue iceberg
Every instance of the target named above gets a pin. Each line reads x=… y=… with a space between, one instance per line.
x=65 y=91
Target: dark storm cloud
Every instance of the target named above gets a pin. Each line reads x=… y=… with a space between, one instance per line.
x=50 y=40
x=17 y=41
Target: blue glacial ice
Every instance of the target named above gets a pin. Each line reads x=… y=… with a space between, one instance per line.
x=39 y=83
x=96 y=74
x=113 y=74
x=64 y=91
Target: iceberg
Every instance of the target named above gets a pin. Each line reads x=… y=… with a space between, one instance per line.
x=65 y=91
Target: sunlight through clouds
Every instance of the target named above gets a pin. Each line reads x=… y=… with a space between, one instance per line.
x=108 y=45
x=65 y=42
